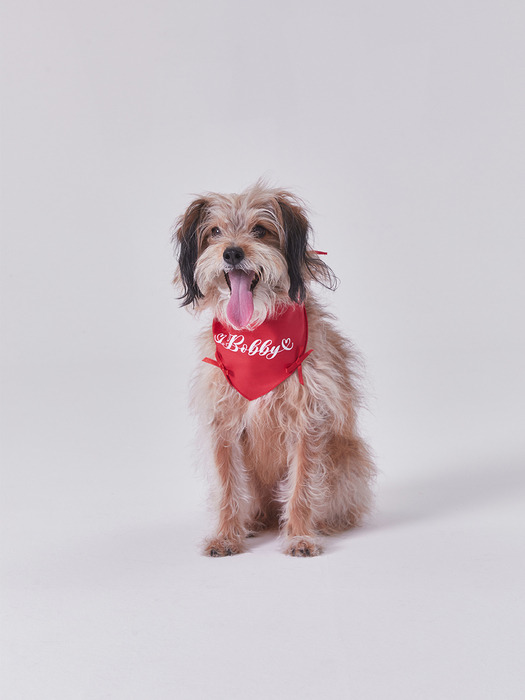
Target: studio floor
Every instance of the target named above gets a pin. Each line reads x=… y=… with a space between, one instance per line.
x=106 y=594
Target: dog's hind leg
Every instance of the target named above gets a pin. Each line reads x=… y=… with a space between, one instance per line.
x=350 y=485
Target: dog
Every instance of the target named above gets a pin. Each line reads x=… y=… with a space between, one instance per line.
x=277 y=391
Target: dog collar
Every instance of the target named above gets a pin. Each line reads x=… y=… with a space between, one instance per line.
x=255 y=362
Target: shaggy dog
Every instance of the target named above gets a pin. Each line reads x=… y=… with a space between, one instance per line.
x=277 y=391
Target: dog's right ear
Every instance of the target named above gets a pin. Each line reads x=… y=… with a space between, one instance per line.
x=186 y=238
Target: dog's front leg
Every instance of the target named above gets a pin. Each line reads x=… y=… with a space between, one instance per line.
x=300 y=494
x=232 y=499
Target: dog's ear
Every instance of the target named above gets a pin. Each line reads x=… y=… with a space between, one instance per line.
x=296 y=229
x=302 y=263
x=186 y=239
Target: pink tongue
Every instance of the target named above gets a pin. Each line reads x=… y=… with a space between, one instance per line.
x=240 y=306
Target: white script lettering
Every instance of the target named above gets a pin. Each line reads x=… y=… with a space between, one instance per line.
x=236 y=343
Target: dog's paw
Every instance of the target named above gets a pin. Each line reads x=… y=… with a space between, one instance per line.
x=303 y=546
x=222 y=547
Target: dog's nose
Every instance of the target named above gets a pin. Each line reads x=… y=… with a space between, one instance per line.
x=233 y=256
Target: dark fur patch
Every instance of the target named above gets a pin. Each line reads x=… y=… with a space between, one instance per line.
x=187 y=239
x=296 y=230
x=300 y=262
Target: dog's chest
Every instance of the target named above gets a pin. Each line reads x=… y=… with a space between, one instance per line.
x=264 y=442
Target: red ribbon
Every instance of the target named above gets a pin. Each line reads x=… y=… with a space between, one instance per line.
x=218 y=364
x=298 y=365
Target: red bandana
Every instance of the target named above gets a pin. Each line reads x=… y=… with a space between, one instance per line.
x=255 y=362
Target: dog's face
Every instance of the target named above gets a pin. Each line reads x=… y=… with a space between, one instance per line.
x=244 y=255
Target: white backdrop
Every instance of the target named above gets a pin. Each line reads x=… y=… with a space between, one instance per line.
x=402 y=125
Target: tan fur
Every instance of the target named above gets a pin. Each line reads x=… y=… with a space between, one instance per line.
x=292 y=458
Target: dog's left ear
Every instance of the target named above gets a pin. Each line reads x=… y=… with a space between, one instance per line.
x=296 y=228
x=301 y=262
x=186 y=238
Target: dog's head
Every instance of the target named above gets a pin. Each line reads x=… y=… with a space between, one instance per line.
x=244 y=255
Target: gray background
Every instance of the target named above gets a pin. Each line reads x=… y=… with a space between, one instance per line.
x=402 y=125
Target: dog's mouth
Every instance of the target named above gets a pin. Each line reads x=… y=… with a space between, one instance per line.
x=240 y=306
x=254 y=283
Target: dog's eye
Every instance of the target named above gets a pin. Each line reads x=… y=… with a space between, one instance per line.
x=259 y=231
x=215 y=231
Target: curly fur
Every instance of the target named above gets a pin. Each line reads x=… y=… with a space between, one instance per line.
x=292 y=458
